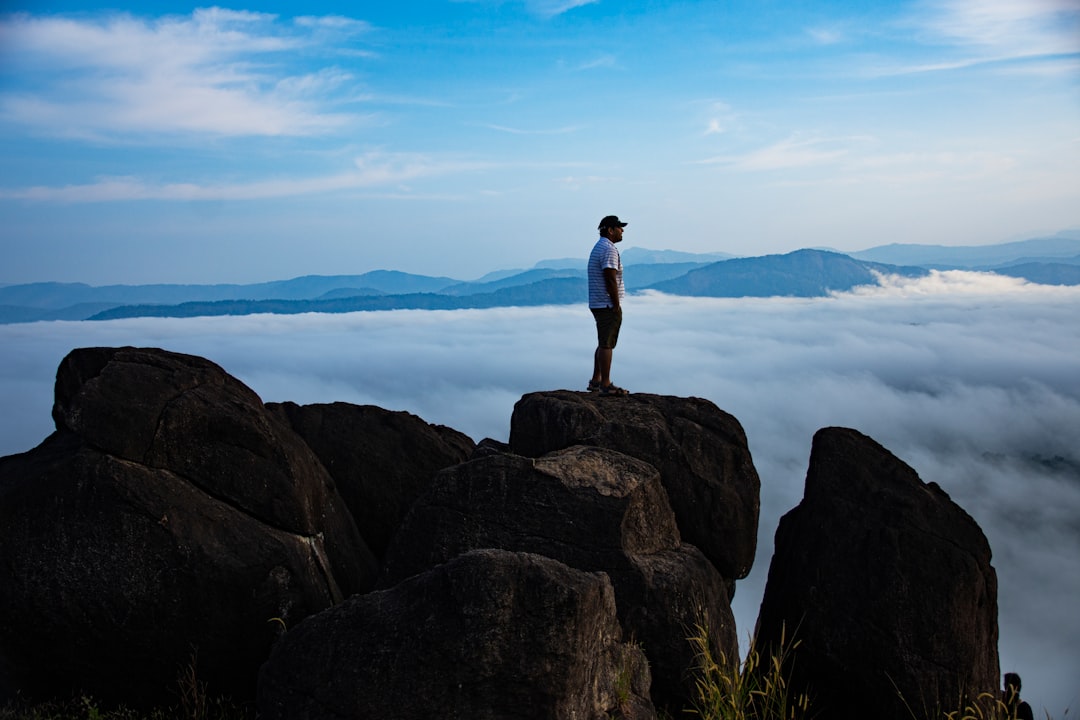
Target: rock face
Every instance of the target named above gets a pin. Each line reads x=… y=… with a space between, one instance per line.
x=490 y=635
x=887 y=585
x=380 y=460
x=169 y=517
x=593 y=509
x=700 y=451
x=173 y=520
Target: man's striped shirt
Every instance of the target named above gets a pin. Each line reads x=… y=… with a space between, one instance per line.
x=604 y=256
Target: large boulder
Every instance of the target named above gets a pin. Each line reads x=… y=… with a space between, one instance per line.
x=700 y=451
x=169 y=521
x=490 y=635
x=886 y=586
x=593 y=509
x=381 y=460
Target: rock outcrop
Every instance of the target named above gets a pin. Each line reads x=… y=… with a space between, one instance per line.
x=593 y=509
x=700 y=451
x=169 y=520
x=490 y=635
x=380 y=460
x=885 y=583
x=172 y=520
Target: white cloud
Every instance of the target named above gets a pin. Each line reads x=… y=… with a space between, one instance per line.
x=865 y=163
x=956 y=282
x=551 y=8
x=336 y=23
x=997 y=31
x=1019 y=28
x=518 y=131
x=969 y=378
x=373 y=169
x=602 y=61
x=826 y=35
x=543 y=8
x=215 y=72
x=714 y=127
x=719 y=118
x=789 y=153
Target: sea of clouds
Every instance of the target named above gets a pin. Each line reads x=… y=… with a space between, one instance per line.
x=972 y=379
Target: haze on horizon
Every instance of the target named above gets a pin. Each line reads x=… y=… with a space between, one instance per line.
x=161 y=142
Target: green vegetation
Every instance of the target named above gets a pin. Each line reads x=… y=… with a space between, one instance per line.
x=761 y=692
x=724 y=692
x=750 y=692
x=985 y=707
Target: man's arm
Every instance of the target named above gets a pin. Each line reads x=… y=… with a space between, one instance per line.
x=611 y=284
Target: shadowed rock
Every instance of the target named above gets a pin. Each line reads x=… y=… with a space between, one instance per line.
x=172 y=519
x=490 y=635
x=700 y=451
x=593 y=509
x=380 y=460
x=886 y=584
x=168 y=517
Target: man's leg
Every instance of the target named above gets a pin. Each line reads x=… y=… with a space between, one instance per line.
x=602 y=366
x=608 y=322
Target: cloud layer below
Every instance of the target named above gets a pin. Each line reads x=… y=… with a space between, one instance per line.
x=971 y=379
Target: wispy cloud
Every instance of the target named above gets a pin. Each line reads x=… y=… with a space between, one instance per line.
x=862 y=160
x=520 y=131
x=542 y=8
x=602 y=61
x=213 y=72
x=1020 y=27
x=375 y=169
x=980 y=32
x=822 y=35
x=335 y=23
x=577 y=182
x=786 y=154
x=551 y=8
x=719 y=118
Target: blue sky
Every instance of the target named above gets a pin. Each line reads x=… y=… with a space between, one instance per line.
x=161 y=142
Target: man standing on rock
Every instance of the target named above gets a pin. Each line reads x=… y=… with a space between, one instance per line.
x=605 y=300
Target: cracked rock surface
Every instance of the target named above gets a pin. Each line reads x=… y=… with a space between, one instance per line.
x=700 y=450
x=489 y=635
x=593 y=509
x=170 y=520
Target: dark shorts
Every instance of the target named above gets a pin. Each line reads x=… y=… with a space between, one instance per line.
x=608 y=322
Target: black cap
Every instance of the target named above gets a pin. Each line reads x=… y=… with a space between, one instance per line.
x=611 y=221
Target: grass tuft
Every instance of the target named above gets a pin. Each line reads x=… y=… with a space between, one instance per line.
x=752 y=692
x=985 y=707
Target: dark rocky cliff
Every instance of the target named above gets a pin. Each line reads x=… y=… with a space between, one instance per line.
x=374 y=565
x=887 y=585
x=168 y=512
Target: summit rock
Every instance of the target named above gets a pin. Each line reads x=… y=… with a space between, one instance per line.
x=701 y=452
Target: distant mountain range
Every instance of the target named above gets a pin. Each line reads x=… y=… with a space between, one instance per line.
x=803 y=273
x=1063 y=248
